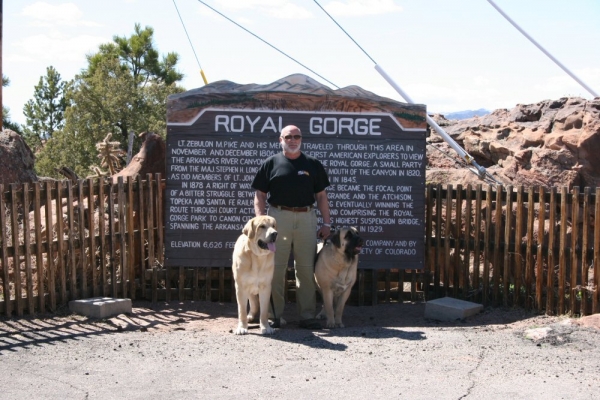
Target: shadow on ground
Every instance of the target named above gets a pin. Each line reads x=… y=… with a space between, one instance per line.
x=384 y=321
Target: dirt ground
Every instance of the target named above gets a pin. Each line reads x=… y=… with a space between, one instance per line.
x=182 y=350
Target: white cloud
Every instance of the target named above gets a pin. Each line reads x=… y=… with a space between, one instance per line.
x=289 y=11
x=66 y=14
x=246 y=4
x=480 y=81
x=282 y=9
x=57 y=47
x=355 y=8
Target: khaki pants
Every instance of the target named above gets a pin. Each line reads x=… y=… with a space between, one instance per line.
x=297 y=233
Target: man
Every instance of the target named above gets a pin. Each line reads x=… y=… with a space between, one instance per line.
x=290 y=183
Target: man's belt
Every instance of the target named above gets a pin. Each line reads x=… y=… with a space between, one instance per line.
x=294 y=209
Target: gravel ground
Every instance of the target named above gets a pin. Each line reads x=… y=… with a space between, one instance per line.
x=187 y=350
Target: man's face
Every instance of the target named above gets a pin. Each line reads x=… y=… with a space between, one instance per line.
x=291 y=141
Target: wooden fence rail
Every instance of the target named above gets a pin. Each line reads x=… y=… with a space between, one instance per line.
x=537 y=248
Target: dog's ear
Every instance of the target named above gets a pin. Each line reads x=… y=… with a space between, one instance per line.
x=249 y=229
x=335 y=239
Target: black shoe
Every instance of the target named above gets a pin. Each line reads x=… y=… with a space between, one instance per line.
x=275 y=323
x=310 y=324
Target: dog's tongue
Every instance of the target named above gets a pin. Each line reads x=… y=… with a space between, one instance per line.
x=271 y=246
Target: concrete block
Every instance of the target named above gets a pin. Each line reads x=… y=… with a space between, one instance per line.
x=450 y=309
x=100 y=307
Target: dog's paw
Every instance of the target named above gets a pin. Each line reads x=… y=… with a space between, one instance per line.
x=266 y=330
x=251 y=318
x=339 y=325
x=241 y=331
x=330 y=324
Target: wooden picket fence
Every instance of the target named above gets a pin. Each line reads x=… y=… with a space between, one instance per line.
x=536 y=248
x=62 y=241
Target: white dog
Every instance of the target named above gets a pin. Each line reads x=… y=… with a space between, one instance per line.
x=253 y=266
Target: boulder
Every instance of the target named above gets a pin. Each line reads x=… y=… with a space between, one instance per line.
x=17 y=159
x=151 y=159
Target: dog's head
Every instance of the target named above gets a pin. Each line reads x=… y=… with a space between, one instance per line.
x=348 y=240
x=262 y=230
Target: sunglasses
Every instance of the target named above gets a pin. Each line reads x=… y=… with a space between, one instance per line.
x=290 y=137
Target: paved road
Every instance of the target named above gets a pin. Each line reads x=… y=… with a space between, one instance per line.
x=182 y=351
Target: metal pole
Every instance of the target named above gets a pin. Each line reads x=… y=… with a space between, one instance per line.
x=532 y=40
x=461 y=152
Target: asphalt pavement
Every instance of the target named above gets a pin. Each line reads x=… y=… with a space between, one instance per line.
x=187 y=350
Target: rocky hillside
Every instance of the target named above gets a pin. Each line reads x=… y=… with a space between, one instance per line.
x=550 y=143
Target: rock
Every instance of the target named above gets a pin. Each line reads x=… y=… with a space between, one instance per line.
x=17 y=159
x=151 y=159
x=550 y=143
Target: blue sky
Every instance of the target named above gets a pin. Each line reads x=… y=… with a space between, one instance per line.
x=450 y=55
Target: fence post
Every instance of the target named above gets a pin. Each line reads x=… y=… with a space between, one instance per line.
x=518 y=270
x=477 y=237
x=4 y=249
x=573 y=290
x=488 y=249
x=447 y=233
x=584 y=253
x=467 y=252
x=550 y=267
x=27 y=250
x=82 y=241
x=457 y=269
x=438 y=239
x=529 y=262
x=92 y=235
x=497 y=238
x=14 y=199
x=596 y=286
x=38 y=246
x=539 y=282
x=562 y=258
x=507 y=237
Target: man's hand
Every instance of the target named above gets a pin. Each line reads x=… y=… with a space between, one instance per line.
x=324 y=232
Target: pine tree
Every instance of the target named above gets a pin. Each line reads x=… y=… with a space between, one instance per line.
x=123 y=89
x=45 y=112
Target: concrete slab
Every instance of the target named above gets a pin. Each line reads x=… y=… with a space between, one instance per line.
x=100 y=307
x=450 y=309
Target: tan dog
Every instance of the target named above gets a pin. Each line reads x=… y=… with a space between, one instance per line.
x=335 y=272
x=253 y=266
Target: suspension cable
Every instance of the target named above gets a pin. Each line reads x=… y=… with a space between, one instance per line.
x=343 y=30
x=477 y=170
x=189 y=40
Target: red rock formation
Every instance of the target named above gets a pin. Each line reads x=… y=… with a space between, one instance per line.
x=551 y=143
x=149 y=160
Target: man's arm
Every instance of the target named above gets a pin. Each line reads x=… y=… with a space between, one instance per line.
x=260 y=203
x=323 y=206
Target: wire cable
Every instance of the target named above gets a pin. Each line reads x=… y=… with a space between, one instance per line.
x=189 y=40
x=488 y=178
x=268 y=44
x=343 y=30
x=479 y=171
